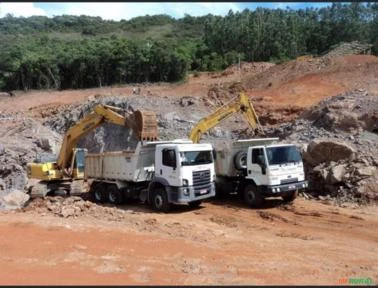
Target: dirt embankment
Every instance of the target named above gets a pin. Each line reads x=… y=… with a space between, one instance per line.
x=304 y=83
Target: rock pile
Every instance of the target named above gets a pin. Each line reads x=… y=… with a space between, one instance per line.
x=74 y=206
x=340 y=146
x=354 y=47
x=334 y=168
x=14 y=200
x=23 y=139
x=352 y=112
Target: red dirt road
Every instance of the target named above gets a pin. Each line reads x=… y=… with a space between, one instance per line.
x=304 y=243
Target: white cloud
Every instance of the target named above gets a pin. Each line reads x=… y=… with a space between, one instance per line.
x=20 y=9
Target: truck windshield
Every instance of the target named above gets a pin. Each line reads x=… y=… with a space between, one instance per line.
x=196 y=157
x=282 y=155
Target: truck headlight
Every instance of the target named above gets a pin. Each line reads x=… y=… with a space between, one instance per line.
x=185 y=182
x=186 y=191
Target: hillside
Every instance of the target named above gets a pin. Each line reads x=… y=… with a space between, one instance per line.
x=76 y=52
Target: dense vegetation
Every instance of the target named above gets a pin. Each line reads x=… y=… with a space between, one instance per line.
x=78 y=52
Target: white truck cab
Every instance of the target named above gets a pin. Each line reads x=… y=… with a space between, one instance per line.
x=186 y=170
x=256 y=168
x=276 y=168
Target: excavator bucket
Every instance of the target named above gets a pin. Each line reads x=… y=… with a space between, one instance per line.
x=144 y=123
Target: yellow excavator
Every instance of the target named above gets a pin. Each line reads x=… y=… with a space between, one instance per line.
x=66 y=173
x=238 y=104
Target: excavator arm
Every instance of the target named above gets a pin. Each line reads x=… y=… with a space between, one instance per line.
x=143 y=123
x=236 y=105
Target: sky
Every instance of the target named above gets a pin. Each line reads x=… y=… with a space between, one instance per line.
x=127 y=10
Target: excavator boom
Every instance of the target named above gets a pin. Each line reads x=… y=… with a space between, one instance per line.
x=237 y=104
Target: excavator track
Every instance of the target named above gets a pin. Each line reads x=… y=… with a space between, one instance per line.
x=68 y=188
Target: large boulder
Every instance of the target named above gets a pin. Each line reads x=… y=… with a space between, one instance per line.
x=15 y=199
x=336 y=174
x=319 y=151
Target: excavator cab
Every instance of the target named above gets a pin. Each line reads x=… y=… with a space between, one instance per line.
x=78 y=160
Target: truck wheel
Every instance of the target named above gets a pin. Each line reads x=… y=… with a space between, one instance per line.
x=252 y=197
x=290 y=197
x=99 y=193
x=160 y=200
x=114 y=195
x=195 y=204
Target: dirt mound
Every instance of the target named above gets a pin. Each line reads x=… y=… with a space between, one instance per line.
x=352 y=112
x=305 y=83
x=354 y=47
x=73 y=206
x=248 y=67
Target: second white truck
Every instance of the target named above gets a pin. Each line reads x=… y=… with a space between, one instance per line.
x=159 y=172
x=258 y=168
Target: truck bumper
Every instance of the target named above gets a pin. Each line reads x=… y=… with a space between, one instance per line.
x=279 y=190
x=184 y=195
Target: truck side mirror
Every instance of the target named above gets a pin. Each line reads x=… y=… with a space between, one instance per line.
x=173 y=160
x=261 y=162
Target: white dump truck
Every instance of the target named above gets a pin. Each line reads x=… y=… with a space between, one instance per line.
x=257 y=168
x=157 y=172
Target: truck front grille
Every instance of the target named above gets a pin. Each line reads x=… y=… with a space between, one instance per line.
x=201 y=182
x=201 y=178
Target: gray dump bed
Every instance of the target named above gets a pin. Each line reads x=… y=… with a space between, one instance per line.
x=132 y=165
x=226 y=152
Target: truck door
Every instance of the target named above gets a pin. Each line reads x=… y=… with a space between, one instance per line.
x=169 y=169
x=257 y=165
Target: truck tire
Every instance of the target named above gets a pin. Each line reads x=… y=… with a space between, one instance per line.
x=240 y=160
x=195 y=204
x=252 y=196
x=99 y=193
x=290 y=197
x=160 y=200
x=114 y=195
